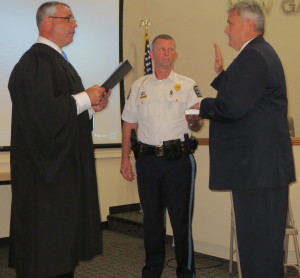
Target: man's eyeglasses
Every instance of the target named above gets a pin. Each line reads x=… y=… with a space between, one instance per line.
x=68 y=18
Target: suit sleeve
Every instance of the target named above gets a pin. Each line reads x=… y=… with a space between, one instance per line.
x=239 y=88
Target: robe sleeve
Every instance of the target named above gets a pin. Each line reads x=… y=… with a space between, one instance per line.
x=44 y=110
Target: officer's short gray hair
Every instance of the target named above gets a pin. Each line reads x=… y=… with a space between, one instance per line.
x=162 y=36
x=46 y=9
x=251 y=10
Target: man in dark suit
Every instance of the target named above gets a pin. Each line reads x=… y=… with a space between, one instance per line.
x=250 y=148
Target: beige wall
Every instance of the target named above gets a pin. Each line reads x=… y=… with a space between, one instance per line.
x=113 y=189
x=196 y=25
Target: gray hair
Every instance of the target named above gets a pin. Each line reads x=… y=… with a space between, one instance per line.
x=163 y=37
x=251 y=10
x=46 y=9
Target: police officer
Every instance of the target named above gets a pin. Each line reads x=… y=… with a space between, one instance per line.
x=165 y=164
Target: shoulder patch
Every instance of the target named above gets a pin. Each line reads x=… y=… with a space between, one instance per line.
x=197 y=91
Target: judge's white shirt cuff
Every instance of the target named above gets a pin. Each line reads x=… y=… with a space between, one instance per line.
x=82 y=102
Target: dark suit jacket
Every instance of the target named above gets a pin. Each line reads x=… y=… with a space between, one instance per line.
x=249 y=140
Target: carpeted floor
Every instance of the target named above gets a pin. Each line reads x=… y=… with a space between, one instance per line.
x=124 y=257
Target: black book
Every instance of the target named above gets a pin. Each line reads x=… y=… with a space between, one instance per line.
x=119 y=73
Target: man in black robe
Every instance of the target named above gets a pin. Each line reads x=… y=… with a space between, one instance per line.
x=55 y=217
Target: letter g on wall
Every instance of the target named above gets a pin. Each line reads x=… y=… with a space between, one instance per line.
x=290 y=6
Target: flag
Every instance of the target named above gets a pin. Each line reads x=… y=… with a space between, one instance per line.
x=147 y=60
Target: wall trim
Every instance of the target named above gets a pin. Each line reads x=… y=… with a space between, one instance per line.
x=124 y=208
x=205 y=141
x=108 y=153
x=117 y=152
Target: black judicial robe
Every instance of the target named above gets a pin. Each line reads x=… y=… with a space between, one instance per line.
x=55 y=217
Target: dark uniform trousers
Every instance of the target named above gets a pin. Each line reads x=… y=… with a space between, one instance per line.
x=167 y=185
x=260 y=224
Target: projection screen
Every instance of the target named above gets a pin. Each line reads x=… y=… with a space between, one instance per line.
x=95 y=53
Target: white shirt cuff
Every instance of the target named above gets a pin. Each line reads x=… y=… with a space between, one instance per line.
x=82 y=102
x=91 y=112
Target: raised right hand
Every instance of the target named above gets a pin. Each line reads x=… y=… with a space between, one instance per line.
x=218 y=59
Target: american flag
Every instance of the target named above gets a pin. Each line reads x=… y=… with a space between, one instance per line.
x=147 y=61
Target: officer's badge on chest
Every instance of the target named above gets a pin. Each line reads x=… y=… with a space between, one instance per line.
x=175 y=92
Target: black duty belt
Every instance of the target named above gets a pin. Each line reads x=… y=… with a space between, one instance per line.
x=157 y=150
x=171 y=149
x=149 y=149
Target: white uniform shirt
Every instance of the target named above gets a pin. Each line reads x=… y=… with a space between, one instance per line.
x=158 y=106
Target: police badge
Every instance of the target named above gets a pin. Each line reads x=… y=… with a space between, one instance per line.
x=177 y=87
